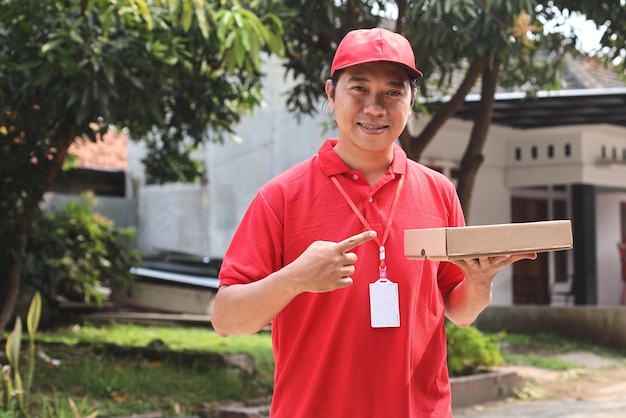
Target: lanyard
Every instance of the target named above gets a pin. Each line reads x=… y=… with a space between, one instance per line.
x=381 y=243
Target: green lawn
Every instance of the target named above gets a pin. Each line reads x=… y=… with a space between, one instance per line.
x=102 y=370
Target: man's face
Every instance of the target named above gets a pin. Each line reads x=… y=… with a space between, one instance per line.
x=372 y=103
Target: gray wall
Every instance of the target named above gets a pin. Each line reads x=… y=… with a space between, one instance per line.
x=122 y=211
x=600 y=325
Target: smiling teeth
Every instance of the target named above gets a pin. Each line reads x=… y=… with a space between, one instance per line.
x=371 y=126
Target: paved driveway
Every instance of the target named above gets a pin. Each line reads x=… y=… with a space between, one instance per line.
x=596 y=390
x=569 y=408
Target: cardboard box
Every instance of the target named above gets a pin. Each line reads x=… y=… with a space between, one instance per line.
x=487 y=240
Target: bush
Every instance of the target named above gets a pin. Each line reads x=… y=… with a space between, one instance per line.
x=470 y=351
x=73 y=252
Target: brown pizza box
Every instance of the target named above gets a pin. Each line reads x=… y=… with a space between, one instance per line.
x=487 y=240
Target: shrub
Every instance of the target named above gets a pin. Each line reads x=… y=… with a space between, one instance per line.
x=469 y=350
x=74 y=252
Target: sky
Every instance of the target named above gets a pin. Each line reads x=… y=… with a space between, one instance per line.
x=588 y=34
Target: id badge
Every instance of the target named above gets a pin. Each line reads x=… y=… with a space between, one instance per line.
x=384 y=304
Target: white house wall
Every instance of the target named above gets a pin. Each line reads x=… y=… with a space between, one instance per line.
x=607 y=237
x=597 y=155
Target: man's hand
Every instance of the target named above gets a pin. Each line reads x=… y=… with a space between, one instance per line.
x=484 y=269
x=325 y=266
x=466 y=301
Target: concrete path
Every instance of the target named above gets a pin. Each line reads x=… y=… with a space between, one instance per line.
x=596 y=390
x=566 y=408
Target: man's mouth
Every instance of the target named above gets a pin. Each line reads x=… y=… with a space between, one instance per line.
x=372 y=127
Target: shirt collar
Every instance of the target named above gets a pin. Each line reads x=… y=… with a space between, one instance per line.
x=331 y=164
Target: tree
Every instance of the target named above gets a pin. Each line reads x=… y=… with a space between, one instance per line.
x=171 y=72
x=610 y=16
x=491 y=43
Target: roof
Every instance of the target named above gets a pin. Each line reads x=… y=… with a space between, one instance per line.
x=108 y=153
x=591 y=94
x=554 y=108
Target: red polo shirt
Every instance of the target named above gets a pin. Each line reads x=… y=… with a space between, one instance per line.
x=329 y=361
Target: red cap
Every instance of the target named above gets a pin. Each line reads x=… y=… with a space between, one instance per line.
x=371 y=45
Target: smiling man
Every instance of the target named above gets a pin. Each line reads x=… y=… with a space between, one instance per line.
x=357 y=329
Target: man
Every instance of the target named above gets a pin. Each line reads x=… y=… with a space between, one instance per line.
x=357 y=329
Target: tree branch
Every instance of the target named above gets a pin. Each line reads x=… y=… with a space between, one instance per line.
x=417 y=144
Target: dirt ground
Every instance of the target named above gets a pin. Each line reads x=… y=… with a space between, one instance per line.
x=599 y=383
x=597 y=377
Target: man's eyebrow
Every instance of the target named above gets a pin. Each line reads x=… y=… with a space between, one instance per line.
x=360 y=79
x=397 y=83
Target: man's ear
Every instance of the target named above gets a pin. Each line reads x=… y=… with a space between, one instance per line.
x=329 y=88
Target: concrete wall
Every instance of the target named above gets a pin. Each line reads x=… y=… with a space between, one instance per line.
x=272 y=140
x=597 y=324
x=176 y=217
x=120 y=210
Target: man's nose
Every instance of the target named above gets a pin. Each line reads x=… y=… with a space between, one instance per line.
x=374 y=105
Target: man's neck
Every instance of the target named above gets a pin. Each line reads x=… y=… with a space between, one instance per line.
x=373 y=165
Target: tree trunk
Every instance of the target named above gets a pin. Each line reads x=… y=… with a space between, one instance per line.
x=10 y=286
x=401 y=5
x=415 y=145
x=16 y=257
x=473 y=157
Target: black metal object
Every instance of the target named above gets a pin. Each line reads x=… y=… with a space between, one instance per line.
x=585 y=286
x=550 y=109
x=181 y=268
x=184 y=262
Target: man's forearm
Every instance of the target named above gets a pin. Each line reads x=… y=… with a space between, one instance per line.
x=467 y=301
x=248 y=308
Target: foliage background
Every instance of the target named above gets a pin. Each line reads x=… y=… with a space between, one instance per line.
x=174 y=73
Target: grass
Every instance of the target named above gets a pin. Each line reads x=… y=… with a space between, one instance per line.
x=100 y=372
x=538 y=350
x=107 y=370
x=540 y=361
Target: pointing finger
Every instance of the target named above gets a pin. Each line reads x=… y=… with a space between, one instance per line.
x=356 y=240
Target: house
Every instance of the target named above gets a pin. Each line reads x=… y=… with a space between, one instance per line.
x=562 y=156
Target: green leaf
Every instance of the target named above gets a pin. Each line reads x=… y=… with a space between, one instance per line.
x=34 y=315
x=19 y=389
x=174 y=6
x=203 y=24
x=225 y=21
x=13 y=344
x=48 y=46
x=145 y=11
x=238 y=19
x=187 y=16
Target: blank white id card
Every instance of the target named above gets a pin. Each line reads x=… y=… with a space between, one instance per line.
x=384 y=304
